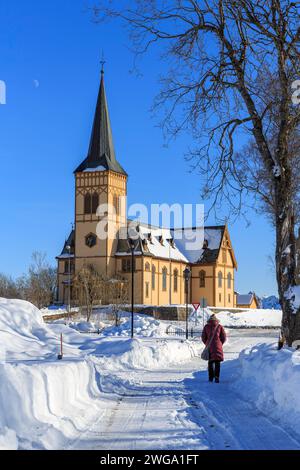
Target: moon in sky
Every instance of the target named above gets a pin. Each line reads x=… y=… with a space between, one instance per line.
x=36 y=83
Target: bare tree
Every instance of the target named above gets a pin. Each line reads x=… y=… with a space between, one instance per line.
x=89 y=289
x=8 y=288
x=222 y=57
x=118 y=295
x=38 y=287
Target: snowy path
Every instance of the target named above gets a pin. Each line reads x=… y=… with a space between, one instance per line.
x=179 y=409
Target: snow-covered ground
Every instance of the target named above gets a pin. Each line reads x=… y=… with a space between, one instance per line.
x=111 y=392
x=254 y=318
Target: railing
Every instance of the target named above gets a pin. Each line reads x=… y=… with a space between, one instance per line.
x=193 y=332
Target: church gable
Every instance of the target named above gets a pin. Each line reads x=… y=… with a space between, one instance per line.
x=201 y=253
x=226 y=253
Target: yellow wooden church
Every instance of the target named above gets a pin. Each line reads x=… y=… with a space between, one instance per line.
x=161 y=255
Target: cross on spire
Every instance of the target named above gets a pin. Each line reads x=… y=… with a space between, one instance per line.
x=101 y=151
x=102 y=62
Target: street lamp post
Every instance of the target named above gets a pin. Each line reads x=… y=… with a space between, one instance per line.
x=187 y=277
x=132 y=246
x=69 y=281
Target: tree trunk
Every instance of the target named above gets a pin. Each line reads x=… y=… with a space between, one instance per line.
x=286 y=257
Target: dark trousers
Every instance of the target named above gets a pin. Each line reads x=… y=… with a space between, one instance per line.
x=214 y=369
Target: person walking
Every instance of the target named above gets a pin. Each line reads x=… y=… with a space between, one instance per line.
x=214 y=336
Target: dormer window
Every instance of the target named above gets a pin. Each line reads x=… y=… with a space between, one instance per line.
x=149 y=236
x=160 y=239
x=205 y=244
x=171 y=242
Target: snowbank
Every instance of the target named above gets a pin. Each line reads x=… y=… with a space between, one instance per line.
x=271 y=379
x=143 y=354
x=21 y=326
x=254 y=318
x=143 y=326
x=46 y=404
x=8 y=439
x=25 y=336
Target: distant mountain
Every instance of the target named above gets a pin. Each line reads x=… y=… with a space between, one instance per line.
x=270 y=302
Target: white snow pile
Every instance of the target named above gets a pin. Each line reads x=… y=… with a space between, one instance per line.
x=83 y=326
x=46 y=405
x=271 y=379
x=144 y=325
x=140 y=354
x=252 y=318
x=24 y=335
x=22 y=329
x=8 y=439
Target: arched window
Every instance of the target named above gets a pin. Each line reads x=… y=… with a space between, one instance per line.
x=95 y=202
x=219 y=279
x=175 y=280
x=164 y=279
x=147 y=267
x=116 y=203
x=202 y=278
x=153 y=277
x=229 y=278
x=87 y=203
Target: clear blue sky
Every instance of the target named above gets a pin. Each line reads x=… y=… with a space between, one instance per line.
x=50 y=54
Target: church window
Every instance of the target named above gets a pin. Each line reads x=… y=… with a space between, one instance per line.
x=116 y=203
x=219 y=279
x=95 y=203
x=224 y=256
x=147 y=289
x=91 y=240
x=164 y=279
x=69 y=267
x=202 y=278
x=153 y=277
x=176 y=280
x=87 y=203
x=220 y=297
x=126 y=265
x=147 y=267
x=229 y=279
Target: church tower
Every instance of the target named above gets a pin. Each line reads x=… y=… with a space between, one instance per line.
x=100 y=192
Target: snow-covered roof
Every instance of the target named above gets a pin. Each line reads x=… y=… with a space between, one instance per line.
x=151 y=241
x=199 y=244
x=97 y=168
x=193 y=245
x=244 y=299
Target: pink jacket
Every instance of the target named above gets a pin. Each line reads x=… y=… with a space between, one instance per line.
x=216 y=347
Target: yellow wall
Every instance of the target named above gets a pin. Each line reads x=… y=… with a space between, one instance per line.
x=102 y=256
x=143 y=275
x=107 y=184
x=207 y=292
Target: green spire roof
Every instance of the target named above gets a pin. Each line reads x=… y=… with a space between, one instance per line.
x=101 y=152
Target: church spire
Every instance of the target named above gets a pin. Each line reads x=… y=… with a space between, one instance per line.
x=101 y=151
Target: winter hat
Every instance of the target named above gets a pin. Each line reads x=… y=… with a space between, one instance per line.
x=213 y=317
